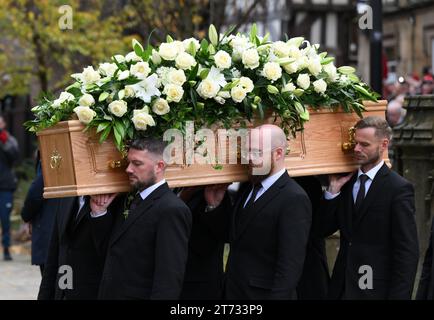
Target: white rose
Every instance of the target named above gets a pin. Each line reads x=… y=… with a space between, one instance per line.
x=331 y=71
x=291 y=67
x=314 y=66
x=247 y=84
x=250 y=58
x=303 y=62
x=238 y=93
x=185 y=61
x=224 y=94
x=208 y=89
x=142 y=119
x=222 y=59
x=303 y=81
x=86 y=100
x=89 y=75
x=272 y=71
x=118 y=107
x=129 y=91
x=173 y=92
x=320 y=86
x=219 y=100
x=235 y=73
x=64 y=96
x=176 y=77
x=179 y=46
x=119 y=58
x=155 y=57
x=294 y=52
x=140 y=70
x=132 y=56
x=289 y=87
x=196 y=44
x=107 y=69
x=280 y=49
x=160 y=107
x=84 y=114
x=123 y=75
x=168 y=51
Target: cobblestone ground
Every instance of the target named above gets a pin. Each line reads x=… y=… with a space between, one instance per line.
x=19 y=280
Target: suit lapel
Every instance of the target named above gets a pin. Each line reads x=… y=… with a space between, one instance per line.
x=68 y=205
x=374 y=190
x=244 y=191
x=82 y=213
x=262 y=201
x=349 y=205
x=139 y=211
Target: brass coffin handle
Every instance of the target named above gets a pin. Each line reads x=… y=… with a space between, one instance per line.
x=115 y=164
x=55 y=160
x=348 y=146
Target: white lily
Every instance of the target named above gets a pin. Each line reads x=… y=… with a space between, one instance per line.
x=216 y=76
x=147 y=88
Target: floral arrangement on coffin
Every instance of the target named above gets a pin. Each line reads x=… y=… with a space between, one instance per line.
x=228 y=80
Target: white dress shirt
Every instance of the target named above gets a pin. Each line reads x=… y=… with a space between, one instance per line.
x=371 y=175
x=265 y=185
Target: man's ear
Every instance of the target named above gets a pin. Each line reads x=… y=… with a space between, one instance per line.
x=385 y=143
x=280 y=153
x=161 y=165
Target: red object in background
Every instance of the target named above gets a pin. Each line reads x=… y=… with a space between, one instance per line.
x=415 y=76
x=3 y=136
x=428 y=77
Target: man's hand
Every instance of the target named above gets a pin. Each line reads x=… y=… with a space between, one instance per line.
x=336 y=182
x=99 y=203
x=188 y=192
x=214 y=194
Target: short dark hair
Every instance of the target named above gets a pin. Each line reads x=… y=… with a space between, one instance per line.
x=382 y=128
x=153 y=145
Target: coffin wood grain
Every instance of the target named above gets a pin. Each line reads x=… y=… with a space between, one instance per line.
x=84 y=166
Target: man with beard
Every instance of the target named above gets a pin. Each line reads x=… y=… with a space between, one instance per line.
x=147 y=250
x=270 y=224
x=373 y=209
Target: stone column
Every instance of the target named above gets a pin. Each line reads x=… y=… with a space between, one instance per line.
x=413 y=143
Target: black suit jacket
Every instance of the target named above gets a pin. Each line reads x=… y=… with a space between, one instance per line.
x=425 y=291
x=148 y=251
x=383 y=237
x=73 y=244
x=204 y=274
x=267 y=251
x=314 y=281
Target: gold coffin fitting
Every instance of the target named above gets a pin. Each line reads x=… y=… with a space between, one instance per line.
x=348 y=146
x=55 y=159
x=115 y=164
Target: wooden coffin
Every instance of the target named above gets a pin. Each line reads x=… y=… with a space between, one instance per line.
x=75 y=163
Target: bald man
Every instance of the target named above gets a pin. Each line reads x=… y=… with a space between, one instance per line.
x=270 y=225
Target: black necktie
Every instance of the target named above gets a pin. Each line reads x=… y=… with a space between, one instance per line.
x=256 y=189
x=136 y=201
x=361 y=194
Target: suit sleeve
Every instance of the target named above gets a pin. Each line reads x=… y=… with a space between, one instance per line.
x=405 y=246
x=102 y=226
x=48 y=285
x=293 y=233
x=34 y=199
x=218 y=220
x=327 y=218
x=173 y=231
x=425 y=278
